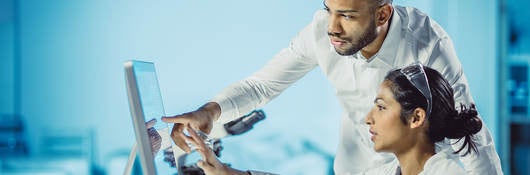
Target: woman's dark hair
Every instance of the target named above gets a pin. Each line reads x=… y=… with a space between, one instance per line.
x=445 y=121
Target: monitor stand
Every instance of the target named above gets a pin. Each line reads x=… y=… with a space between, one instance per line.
x=179 y=158
x=130 y=161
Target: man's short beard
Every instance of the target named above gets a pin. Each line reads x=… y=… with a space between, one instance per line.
x=366 y=38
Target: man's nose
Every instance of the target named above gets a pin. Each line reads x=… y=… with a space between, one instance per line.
x=334 y=27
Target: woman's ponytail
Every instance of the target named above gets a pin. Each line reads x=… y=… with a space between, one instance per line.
x=464 y=124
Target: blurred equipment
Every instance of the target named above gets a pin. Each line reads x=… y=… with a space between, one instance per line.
x=12 y=141
x=245 y=123
x=57 y=151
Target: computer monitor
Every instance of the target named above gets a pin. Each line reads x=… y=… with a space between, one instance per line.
x=145 y=102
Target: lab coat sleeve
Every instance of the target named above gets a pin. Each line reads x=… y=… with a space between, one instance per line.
x=444 y=59
x=285 y=68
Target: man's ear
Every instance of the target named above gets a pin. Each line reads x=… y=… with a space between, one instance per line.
x=418 y=118
x=383 y=14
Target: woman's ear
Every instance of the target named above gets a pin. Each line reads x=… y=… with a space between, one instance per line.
x=418 y=118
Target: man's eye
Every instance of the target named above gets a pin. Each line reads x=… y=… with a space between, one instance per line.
x=348 y=17
x=380 y=107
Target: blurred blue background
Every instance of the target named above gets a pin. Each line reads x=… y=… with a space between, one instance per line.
x=64 y=107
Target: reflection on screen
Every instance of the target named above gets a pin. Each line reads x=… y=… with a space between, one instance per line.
x=153 y=109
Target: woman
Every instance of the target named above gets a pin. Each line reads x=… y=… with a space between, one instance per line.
x=414 y=109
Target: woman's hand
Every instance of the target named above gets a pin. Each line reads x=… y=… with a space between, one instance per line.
x=210 y=164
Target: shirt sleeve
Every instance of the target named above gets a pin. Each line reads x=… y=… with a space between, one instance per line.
x=285 y=68
x=444 y=59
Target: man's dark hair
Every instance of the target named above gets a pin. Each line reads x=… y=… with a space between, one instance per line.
x=378 y=3
x=381 y=2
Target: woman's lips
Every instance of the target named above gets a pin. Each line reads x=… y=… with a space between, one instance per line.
x=373 y=135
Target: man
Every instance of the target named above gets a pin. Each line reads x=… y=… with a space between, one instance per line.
x=354 y=42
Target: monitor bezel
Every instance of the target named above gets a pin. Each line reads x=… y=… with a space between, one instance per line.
x=137 y=114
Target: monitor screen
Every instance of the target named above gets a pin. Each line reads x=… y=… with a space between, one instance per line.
x=145 y=101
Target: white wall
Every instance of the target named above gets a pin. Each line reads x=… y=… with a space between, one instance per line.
x=473 y=26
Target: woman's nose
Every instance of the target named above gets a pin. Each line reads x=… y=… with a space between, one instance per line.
x=369 y=119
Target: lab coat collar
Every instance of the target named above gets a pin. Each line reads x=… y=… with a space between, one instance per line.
x=390 y=46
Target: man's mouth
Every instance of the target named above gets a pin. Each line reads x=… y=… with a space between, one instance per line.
x=336 y=41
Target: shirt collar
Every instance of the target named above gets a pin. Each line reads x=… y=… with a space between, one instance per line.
x=390 y=46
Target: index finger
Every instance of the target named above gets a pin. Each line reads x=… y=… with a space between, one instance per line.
x=176 y=119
